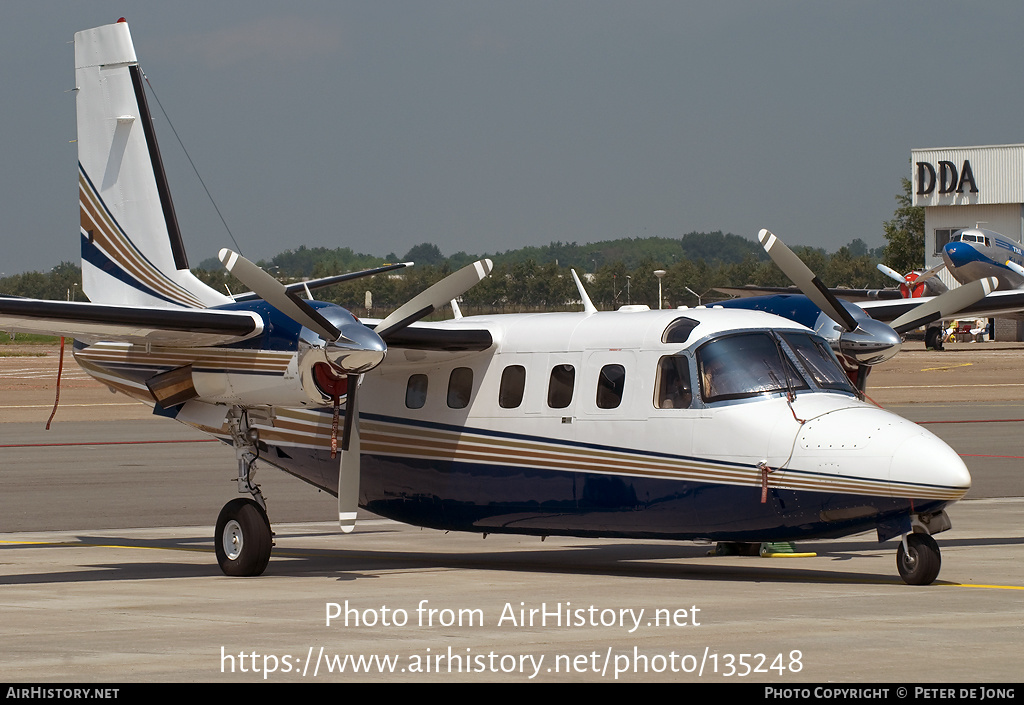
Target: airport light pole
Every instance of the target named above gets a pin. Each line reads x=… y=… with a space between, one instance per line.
x=659 y=273
x=694 y=293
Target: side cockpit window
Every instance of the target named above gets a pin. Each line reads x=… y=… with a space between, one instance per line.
x=673 y=390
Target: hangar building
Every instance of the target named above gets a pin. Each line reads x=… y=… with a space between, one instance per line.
x=968 y=187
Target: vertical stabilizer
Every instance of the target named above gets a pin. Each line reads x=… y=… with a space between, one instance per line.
x=132 y=251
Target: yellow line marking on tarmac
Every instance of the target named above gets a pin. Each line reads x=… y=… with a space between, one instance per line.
x=85 y=544
x=991 y=587
x=50 y=406
x=947 y=367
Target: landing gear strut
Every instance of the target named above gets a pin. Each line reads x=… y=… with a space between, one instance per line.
x=918 y=559
x=243 y=538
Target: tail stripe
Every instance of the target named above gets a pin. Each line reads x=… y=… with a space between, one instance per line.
x=115 y=245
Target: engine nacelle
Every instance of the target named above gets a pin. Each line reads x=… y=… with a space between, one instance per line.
x=301 y=378
x=288 y=366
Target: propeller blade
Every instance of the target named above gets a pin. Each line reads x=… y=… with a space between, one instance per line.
x=349 y=465
x=1013 y=266
x=801 y=275
x=929 y=273
x=434 y=297
x=277 y=295
x=891 y=273
x=946 y=305
x=305 y=287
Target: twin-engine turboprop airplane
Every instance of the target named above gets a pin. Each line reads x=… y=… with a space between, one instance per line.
x=712 y=423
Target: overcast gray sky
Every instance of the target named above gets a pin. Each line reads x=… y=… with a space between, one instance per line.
x=486 y=126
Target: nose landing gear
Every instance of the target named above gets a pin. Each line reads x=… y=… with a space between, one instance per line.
x=918 y=559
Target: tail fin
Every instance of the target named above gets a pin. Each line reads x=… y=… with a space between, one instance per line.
x=132 y=251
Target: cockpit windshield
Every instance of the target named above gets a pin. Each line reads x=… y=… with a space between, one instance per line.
x=971 y=237
x=751 y=364
x=819 y=361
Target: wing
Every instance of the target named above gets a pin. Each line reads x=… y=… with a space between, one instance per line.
x=998 y=303
x=854 y=295
x=91 y=322
x=426 y=337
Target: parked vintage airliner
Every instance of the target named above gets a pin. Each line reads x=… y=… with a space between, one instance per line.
x=724 y=424
x=973 y=253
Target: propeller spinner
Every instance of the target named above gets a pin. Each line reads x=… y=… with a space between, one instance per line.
x=912 y=285
x=862 y=340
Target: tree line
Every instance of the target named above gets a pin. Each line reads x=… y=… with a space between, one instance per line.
x=537 y=280
x=616 y=272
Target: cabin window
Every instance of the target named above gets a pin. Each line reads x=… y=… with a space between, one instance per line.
x=673 y=386
x=560 y=386
x=745 y=365
x=610 y=384
x=679 y=330
x=460 y=384
x=416 y=392
x=513 y=385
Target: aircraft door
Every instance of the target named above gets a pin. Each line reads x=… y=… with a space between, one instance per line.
x=561 y=379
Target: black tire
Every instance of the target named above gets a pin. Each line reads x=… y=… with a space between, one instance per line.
x=933 y=338
x=920 y=564
x=242 y=539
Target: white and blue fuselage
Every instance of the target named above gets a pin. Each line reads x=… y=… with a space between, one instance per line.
x=717 y=424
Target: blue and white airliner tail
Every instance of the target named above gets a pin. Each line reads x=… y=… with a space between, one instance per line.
x=132 y=252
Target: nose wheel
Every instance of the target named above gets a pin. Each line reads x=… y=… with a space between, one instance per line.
x=918 y=559
x=243 y=539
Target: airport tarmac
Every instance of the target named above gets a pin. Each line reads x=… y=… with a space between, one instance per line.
x=107 y=571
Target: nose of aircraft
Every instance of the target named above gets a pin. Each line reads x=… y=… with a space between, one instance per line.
x=882 y=453
x=958 y=254
x=924 y=460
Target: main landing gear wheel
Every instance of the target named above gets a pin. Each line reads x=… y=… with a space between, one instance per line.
x=933 y=338
x=243 y=538
x=920 y=563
